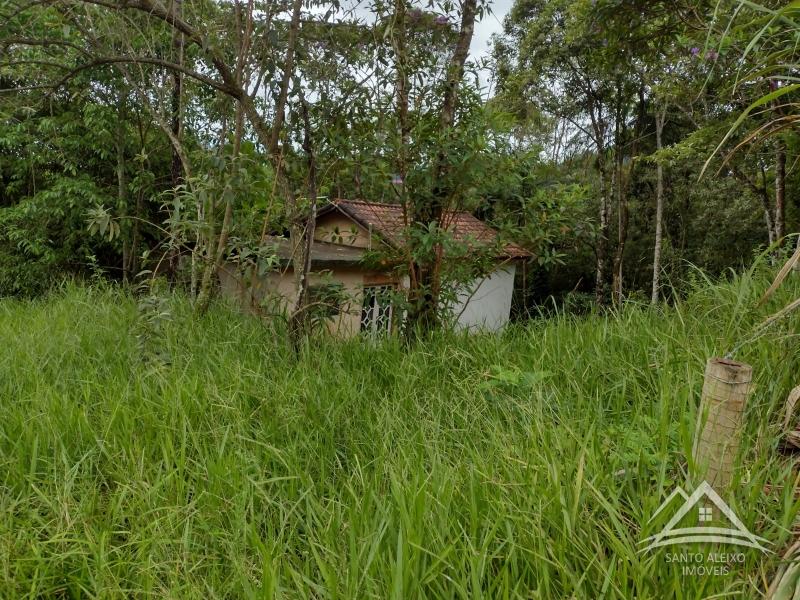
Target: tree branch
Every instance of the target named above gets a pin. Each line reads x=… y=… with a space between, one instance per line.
x=110 y=60
x=17 y=41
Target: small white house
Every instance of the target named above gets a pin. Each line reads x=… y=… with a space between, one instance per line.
x=346 y=231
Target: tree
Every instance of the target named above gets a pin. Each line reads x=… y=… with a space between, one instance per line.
x=427 y=212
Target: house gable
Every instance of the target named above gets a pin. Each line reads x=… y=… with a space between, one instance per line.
x=337 y=228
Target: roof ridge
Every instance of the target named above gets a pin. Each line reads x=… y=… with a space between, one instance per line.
x=367 y=202
x=400 y=206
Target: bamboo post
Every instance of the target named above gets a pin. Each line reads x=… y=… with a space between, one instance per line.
x=726 y=387
x=797 y=264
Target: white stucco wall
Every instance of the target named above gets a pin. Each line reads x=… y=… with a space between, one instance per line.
x=486 y=303
x=483 y=305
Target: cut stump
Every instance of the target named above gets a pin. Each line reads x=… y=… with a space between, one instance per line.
x=726 y=388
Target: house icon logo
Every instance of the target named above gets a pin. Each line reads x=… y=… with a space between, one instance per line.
x=702 y=502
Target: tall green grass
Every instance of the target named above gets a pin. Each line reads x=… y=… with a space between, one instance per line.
x=524 y=465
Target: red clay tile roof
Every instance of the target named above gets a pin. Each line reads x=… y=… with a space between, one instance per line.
x=386 y=220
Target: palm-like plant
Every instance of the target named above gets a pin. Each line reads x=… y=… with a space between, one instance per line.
x=771 y=56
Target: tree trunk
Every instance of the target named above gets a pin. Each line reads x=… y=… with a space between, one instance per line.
x=401 y=99
x=423 y=314
x=616 y=263
x=654 y=298
x=176 y=125
x=288 y=69
x=622 y=230
x=301 y=227
x=218 y=243
x=601 y=250
x=768 y=219
x=797 y=264
x=215 y=259
x=298 y=324
x=177 y=94
x=765 y=203
x=601 y=243
x=780 y=189
x=624 y=146
x=122 y=196
x=401 y=105
x=138 y=214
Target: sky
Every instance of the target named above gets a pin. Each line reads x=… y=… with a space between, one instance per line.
x=492 y=23
x=484 y=29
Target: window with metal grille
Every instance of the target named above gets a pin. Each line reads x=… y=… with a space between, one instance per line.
x=376 y=309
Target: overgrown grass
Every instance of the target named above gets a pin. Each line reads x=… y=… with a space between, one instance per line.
x=517 y=466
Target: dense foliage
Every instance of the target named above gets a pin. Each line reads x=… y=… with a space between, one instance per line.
x=636 y=99
x=604 y=116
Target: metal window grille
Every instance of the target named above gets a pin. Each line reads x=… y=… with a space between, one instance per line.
x=376 y=309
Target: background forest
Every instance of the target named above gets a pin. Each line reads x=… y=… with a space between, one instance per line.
x=621 y=141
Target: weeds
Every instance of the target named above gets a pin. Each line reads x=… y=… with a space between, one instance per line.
x=517 y=466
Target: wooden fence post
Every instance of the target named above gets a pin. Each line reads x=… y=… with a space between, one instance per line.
x=726 y=388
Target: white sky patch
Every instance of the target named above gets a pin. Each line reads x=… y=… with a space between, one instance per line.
x=481 y=40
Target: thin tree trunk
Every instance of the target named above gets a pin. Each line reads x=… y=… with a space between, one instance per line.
x=176 y=118
x=288 y=70
x=177 y=95
x=299 y=320
x=122 y=193
x=601 y=250
x=401 y=97
x=780 y=189
x=623 y=181
x=622 y=228
x=654 y=298
x=122 y=202
x=274 y=133
x=425 y=278
x=797 y=264
x=765 y=203
x=139 y=215
x=301 y=227
x=401 y=106
x=455 y=71
x=218 y=243
x=601 y=243
x=215 y=260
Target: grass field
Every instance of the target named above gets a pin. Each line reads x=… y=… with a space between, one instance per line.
x=223 y=466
